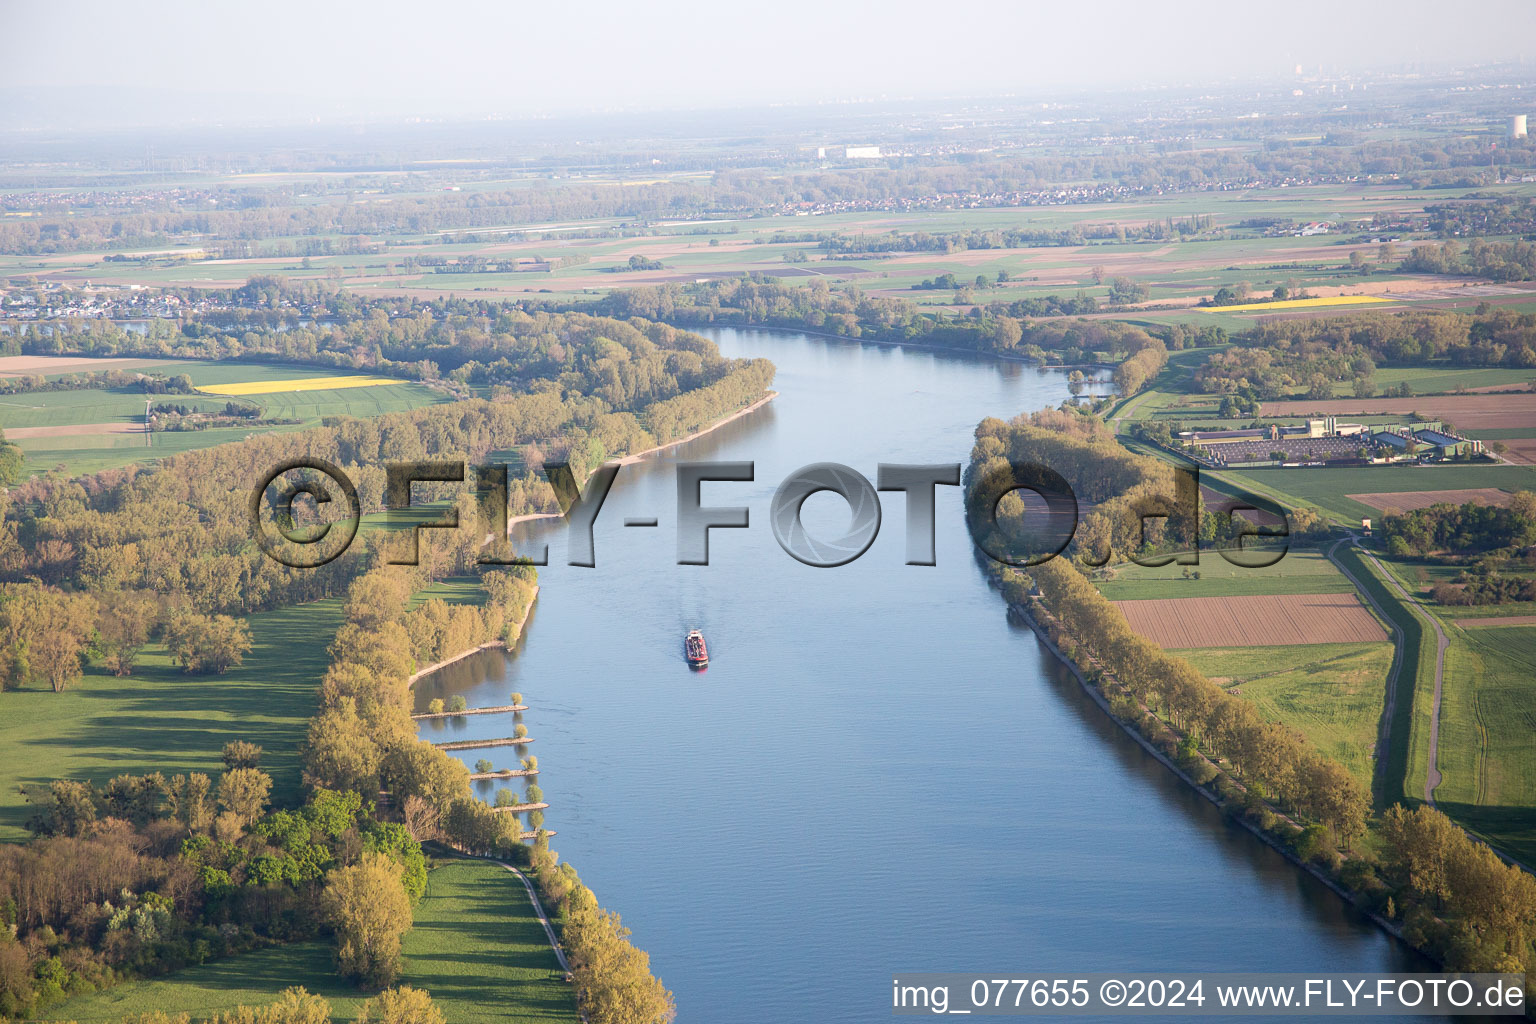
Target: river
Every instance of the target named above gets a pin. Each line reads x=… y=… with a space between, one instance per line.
x=879 y=772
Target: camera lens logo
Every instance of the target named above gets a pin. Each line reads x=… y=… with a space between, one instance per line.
x=275 y=524
x=855 y=489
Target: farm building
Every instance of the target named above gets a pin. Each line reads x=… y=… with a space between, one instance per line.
x=1328 y=441
x=1446 y=446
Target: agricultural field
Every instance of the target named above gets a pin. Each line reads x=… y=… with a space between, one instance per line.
x=267 y=387
x=1315 y=303
x=1299 y=572
x=1398 y=502
x=1260 y=620
x=1176 y=272
x=1330 y=488
x=1465 y=412
x=1332 y=693
x=476 y=946
x=1487 y=724
x=89 y=430
x=162 y=719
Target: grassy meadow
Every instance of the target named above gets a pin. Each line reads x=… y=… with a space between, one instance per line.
x=162 y=719
x=1301 y=571
x=1488 y=735
x=476 y=946
x=109 y=421
x=1331 y=693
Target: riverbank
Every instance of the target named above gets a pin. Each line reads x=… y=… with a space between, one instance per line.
x=631 y=459
x=768 y=396
x=482 y=647
x=1351 y=897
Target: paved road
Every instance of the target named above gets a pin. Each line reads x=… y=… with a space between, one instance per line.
x=538 y=908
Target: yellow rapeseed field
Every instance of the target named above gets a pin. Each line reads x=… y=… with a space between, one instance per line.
x=1333 y=300
x=268 y=387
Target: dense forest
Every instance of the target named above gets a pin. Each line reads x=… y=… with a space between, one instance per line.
x=1276 y=356
x=1497 y=261
x=452 y=341
x=1467 y=529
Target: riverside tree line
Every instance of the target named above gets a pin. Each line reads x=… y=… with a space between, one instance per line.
x=143 y=874
x=1452 y=896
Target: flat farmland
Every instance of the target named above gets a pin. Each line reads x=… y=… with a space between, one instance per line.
x=1501 y=620
x=89 y=430
x=1330 y=488
x=1299 y=572
x=47 y=366
x=1176 y=272
x=1487 y=725
x=1466 y=412
x=1521 y=451
x=1333 y=694
x=1267 y=620
x=1407 y=501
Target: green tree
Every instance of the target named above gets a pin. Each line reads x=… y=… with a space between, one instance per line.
x=243 y=792
x=368 y=908
x=207 y=643
x=402 y=1005
x=242 y=754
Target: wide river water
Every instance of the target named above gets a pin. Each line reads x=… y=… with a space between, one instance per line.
x=879 y=772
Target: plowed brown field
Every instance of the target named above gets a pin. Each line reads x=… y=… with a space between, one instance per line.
x=1261 y=621
x=1407 y=501
x=1465 y=412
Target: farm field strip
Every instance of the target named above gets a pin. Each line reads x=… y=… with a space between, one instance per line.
x=1465 y=412
x=1407 y=501
x=1268 y=620
x=264 y=387
x=1329 y=300
x=1503 y=620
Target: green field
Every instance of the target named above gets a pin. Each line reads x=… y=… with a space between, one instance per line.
x=476 y=947
x=1329 y=489
x=1408 y=757
x=1299 y=572
x=91 y=449
x=161 y=719
x=1332 y=694
x=1488 y=736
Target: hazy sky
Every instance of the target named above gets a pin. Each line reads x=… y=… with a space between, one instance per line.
x=281 y=59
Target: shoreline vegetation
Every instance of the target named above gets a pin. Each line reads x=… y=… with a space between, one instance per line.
x=1006 y=330
x=1405 y=865
x=1350 y=896
x=514 y=631
x=93 y=567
